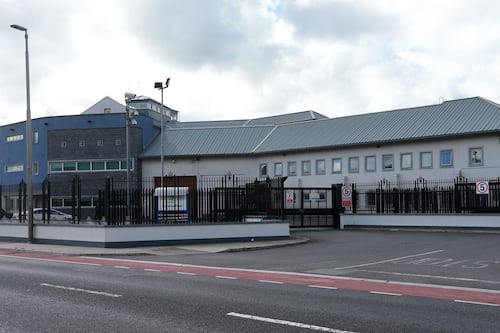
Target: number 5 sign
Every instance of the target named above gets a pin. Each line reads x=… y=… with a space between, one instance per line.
x=482 y=187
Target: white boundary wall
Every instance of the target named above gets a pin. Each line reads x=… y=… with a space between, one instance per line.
x=146 y=235
x=470 y=221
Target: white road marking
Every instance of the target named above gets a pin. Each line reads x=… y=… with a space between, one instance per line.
x=477 y=303
x=430 y=276
x=389 y=260
x=226 y=277
x=384 y=293
x=322 y=287
x=268 y=281
x=94 y=292
x=184 y=273
x=124 y=267
x=151 y=270
x=287 y=323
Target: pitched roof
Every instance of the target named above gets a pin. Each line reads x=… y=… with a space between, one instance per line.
x=470 y=116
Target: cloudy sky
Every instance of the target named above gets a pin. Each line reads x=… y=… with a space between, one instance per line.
x=239 y=59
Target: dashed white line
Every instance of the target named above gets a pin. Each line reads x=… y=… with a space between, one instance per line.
x=185 y=273
x=389 y=260
x=477 y=303
x=273 y=282
x=384 y=293
x=151 y=270
x=226 y=277
x=94 y=292
x=124 y=267
x=322 y=287
x=287 y=323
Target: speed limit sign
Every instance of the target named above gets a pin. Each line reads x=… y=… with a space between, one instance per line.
x=482 y=187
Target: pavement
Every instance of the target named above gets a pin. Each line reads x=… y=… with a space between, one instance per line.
x=68 y=250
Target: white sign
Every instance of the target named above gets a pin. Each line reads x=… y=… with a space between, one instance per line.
x=346 y=196
x=290 y=197
x=482 y=187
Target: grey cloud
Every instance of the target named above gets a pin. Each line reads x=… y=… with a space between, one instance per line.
x=337 y=20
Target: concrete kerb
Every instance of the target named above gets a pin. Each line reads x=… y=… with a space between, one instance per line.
x=68 y=250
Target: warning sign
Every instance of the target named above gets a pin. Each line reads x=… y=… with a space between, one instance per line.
x=346 y=196
x=290 y=197
x=482 y=187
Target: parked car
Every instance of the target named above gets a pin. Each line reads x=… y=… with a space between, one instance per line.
x=55 y=215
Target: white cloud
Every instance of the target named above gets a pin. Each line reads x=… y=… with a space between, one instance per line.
x=241 y=59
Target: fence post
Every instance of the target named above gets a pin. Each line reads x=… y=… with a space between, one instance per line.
x=354 y=199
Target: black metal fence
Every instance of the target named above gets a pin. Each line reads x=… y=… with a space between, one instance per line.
x=457 y=196
x=239 y=199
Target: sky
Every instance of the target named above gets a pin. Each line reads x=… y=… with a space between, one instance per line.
x=242 y=59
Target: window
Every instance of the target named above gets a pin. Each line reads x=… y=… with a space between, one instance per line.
x=306 y=168
x=55 y=166
x=83 y=166
x=35 y=168
x=98 y=165
x=406 y=161
x=107 y=110
x=475 y=156
x=388 y=162
x=100 y=142
x=370 y=164
x=320 y=167
x=426 y=160
x=292 y=168
x=278 y=169
x=69 y=166
x=14 y=168
x=353 y=164
x=118 y=142
x=112 y=165
x=14 y=138
x=63 y=144
x=81 y=143
x=36 y=137
x=336 y=165
x=446 y=158
x=263 y=169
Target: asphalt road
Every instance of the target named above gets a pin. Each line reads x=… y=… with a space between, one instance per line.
x=136 y=294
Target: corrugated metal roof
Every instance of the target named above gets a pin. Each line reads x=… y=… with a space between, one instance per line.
x=208 y=141
x=286 y=118
x=451 y=118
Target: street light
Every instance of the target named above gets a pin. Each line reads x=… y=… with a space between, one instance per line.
x=129 y=121
x=159 y=85
x=29 y=174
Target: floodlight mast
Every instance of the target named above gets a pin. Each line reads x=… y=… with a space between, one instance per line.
x=160 y=86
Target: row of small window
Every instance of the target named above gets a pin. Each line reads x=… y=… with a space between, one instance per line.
x=86 y=166
x=20 y=137
x=100 y=143
x=20 y=168
x=67 y=202
x=370 y=163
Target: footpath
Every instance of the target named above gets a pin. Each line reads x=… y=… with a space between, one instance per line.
x=154 y=250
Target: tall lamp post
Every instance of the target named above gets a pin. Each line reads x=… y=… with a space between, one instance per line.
x=129 y=121
x=29 y=172
x=159 y=85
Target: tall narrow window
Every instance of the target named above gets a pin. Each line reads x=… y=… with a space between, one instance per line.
x=446 y=158
x=320 y=167
x=278 y=169
x=336 y=165
x=476 y=156
x=370 y=165
x=292 y=168
x=426 y=160
x=263 y=169
x=406 y=161
x=388 y=162
x=306 y=168
x=36 y=137
x=354 y=164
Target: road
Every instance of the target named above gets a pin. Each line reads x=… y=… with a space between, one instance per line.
x=335 y=283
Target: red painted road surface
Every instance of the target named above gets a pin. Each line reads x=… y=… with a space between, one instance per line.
x=469 y=295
